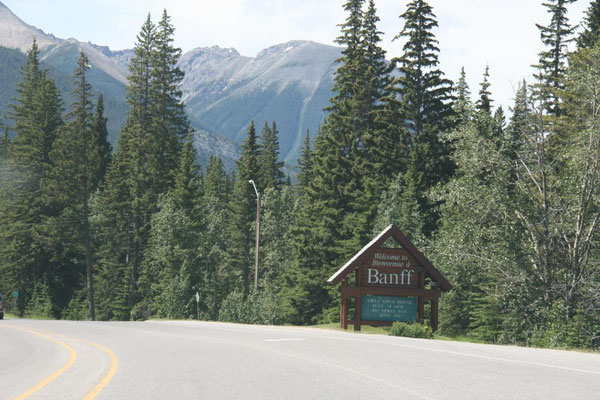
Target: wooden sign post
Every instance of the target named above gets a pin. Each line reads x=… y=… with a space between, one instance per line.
x=389 y=283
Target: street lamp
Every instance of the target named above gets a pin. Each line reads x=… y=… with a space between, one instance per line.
x=257 y=234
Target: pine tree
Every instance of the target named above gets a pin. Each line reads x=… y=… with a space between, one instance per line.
x=382 y=140
x=101 y=137
x=77 y=170
x=305 y=165
x=462 y=107
x=216 y=187
x=519 y=126
x=591 y=32
x=188 y=190
x=348 y=168
x=270 y=174
x=499 y=127
x=4 y=143
x=169 y=124
x=484 y=104
x=145 y=161
x=425 y=102
x=243 y=209
x=399 y=205
x=552 y=64
x=26 y=256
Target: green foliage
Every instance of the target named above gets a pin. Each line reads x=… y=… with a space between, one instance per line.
x=25 y=246
x=508 y=213
x=243 y=209
x=589 y=37
x=77 y=310
x=255 y=308
x=552 y=64
x=269 y=174
x=425 y=105
x=413 y=330
x=40 y=303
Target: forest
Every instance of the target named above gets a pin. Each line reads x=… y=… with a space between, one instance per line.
x=505 y=204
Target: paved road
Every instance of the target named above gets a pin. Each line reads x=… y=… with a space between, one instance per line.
x=202 y=360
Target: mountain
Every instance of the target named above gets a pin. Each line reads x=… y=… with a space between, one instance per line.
x=289 y=83
x=16 y=34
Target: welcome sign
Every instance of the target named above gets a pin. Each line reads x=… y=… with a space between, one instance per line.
x=389 y=280
x=389 y=268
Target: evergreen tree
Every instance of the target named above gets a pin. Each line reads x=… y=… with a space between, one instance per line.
x=4 y=143
x=75 y=175
x=462 y=107
x=425 y=102
x=169 y=124
x=188 y=190
x=552 y=64
x=305 y=165
x=499 y=124
x=591 y=31
x=145 y=161
x=484 y=104
x=348 y=169
x=399 y=205
x=26 y=256
x=382 y=140
x=216 y=186
x=518 y=127
x=243 y=209
x=270 y=174
x=101 y=137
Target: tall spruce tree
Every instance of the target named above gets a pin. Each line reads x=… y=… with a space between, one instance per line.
x=26 y=257
x=215 y=187
x=100 y=130
x=305 y=164
x=77 y=170
x=188 y=189
x=425 y=102
x=552 y=63
x=169 y=124
x=270 y=174
x=145 y=161
x=243 y=209
x=4 y=142
x=463 y=106
x=484 y=103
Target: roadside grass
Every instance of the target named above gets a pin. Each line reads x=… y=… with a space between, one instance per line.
x=372 y=330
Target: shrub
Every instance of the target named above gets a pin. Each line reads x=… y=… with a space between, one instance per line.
x=411 y=330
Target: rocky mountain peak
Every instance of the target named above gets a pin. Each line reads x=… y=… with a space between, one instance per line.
x=16 y=34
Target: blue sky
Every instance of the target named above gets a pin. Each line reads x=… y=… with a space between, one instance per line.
x=472 y=33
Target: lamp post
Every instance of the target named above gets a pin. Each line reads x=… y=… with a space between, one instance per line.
x=257 y=233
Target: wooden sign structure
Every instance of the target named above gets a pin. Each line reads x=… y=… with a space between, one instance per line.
x=390 y=284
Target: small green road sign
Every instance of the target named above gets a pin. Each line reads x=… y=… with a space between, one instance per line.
x=16 y=294
x=388 y=308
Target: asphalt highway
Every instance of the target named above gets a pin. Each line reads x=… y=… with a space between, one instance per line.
x=203 y=360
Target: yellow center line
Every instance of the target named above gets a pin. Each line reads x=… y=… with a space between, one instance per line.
x=47 y=380
x=114 y=364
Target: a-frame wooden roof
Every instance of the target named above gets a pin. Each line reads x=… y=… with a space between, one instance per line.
x=376 y=243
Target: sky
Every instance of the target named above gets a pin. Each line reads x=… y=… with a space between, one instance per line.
x=471 y=33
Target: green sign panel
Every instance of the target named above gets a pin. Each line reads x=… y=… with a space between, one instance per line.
x=15 y=294
x=388 y=308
